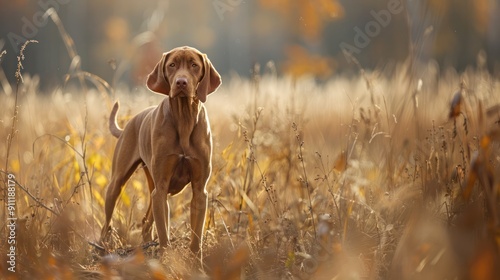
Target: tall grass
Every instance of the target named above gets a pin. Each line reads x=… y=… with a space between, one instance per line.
x=310 y=180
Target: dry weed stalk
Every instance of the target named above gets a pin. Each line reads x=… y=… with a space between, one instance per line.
x=19 y=80
x=251 y=159
x=303 y=179
x=340 y=165
x=13 y=127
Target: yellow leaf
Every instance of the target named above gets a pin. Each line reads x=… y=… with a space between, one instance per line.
x=302 y=62
x=137 y=185
x=98 y=197
x=52 y=261
x=76 y=167
x=455 y=106
x=95 y=161
x=341 y=162
x=225 y=153
x=61 y=164
x=15 y=165
x=485 y=142
x=101 y=180
x=333 y=8
x=56 y=183
x=243 y=160
x=483 y=265
x=125 y=198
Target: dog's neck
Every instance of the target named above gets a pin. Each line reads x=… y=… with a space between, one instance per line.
x=185 y=112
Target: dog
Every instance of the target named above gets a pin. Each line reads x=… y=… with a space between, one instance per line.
x=172 y=141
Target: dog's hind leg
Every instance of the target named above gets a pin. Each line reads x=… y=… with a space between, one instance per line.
x=147 y=221
x=119 y=177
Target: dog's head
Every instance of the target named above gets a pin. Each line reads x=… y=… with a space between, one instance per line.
x=184 y=72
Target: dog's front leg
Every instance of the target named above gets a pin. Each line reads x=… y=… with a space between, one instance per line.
x=163 y=169
x=199 y=202
x=198 y=212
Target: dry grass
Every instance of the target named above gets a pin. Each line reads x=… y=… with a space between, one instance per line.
x=372 y=177
x=310 y=181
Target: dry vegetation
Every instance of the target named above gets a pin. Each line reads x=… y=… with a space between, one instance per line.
x=379 y=176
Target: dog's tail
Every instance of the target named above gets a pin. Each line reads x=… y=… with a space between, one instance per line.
x=115 y=130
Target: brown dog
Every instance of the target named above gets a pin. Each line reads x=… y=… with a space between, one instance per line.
x=173 y=141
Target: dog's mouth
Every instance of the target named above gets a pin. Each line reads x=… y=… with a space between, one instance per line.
x=183 y=94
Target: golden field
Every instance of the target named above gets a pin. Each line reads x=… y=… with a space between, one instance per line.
x=376 y=176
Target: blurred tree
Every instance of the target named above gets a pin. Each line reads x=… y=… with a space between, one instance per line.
x=461 y=28
x=300 y=62
x=312 y=15
x=306 y=20
x=301 y=36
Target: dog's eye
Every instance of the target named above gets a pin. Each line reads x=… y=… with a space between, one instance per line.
x=194 y=65
x=172 y=65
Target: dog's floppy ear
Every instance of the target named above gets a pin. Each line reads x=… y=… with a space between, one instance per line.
x=157 y=81
x=209 y=82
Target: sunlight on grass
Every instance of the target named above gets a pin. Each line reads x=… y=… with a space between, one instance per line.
x=309 y=179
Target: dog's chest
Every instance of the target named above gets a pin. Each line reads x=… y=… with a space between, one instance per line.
x=186 y=121
x=181 y=176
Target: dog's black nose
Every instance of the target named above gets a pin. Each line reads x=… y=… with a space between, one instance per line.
x=181 y=82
